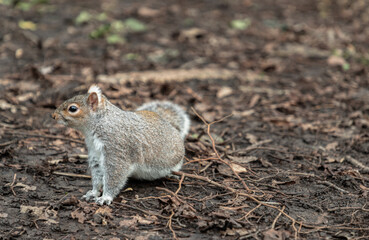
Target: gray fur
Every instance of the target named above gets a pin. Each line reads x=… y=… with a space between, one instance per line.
x=177 y=117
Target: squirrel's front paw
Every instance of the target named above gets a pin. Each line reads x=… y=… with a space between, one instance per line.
x=104 y=200
x=91 y=195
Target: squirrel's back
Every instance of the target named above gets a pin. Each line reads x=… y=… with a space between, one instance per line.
x=171 y=112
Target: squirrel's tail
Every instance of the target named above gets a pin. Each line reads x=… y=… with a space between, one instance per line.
x=171 y=112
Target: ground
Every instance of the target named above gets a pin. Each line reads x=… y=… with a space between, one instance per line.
x=280 y=86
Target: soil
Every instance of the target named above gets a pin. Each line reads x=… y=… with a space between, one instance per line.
x=283 y=91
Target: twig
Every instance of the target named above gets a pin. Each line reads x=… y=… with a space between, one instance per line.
x=348 y=208
x=334 y=186
x=176 y=196
x=206 y=180
x=169 y=224
x=12 y=184
x=180 y=184
x=199 y=160
x=71 y=175
x=141 y=210
x=276 y=219
x=249 y=212
x=248 y=196
x=7 y=143
x=214 y=147
x=206 y=167
x=363 y=168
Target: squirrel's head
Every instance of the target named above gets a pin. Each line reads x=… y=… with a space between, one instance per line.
x=76 y=111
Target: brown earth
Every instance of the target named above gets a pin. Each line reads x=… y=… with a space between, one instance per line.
x=289 y=82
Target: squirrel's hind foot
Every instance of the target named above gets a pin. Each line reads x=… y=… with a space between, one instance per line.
x=91 y=195
x=104 y=200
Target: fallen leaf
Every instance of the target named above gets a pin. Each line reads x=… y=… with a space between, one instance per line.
x=237 y=232
x=273 y=234
x=192 y=34
x=243 y=113
x=128 y=223
x=331 y=146
x=104 y=211
x=79 y=215
x=3 y=215
x=224 y=92
x=336 y=61
x=49 y=215
x=27 y=25
x=254 y=100
x=25 y=187
x=144 y=221
x=148 y=12
x=252 y=138
x=55 y=161
x=226 y=170
x=240 y=24
x=58 y=142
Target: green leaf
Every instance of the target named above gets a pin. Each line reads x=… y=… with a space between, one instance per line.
x=27 y=25
x=24 y=6
x=114 y=39
x=6 y=2
x=135 y=25
x=117 y=26
x=346 y=66
x=240 y=24
x=83 y=17
x=131 y=56
x=102 y=17
x=100 y=31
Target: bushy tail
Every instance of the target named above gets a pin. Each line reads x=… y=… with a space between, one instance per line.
x=171 y=112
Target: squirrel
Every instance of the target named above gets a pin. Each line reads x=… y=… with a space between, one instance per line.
x=147 y=143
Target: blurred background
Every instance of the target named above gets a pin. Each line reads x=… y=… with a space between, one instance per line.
x=88 y=38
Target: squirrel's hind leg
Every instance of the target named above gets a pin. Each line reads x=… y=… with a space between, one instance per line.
x=114 y=178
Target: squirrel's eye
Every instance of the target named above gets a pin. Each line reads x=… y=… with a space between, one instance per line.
x=72 y=109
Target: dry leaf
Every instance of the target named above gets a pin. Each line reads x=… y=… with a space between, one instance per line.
x=224 y=92
x=128 y=223
x=331 y=146
x=148 y=12
x=104 y=211
x=226 y=170
x=273 y=234
x=58 y=142
x=79 y=215
x=25 y=187
x=243 y=113
x=3 y=215
x=252 y=139
x=254 y=100
x=42 y=213
x=142 y=220
x=336 y=61
x=55 y=161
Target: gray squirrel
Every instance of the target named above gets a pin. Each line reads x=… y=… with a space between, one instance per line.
x=145 y=144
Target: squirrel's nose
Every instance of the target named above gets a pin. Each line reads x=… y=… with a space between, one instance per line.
x=53 y=116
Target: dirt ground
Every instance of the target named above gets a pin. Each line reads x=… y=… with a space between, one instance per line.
x=284 y=84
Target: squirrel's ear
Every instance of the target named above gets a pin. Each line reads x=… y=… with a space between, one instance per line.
x=94 y=97
x=93 y=101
